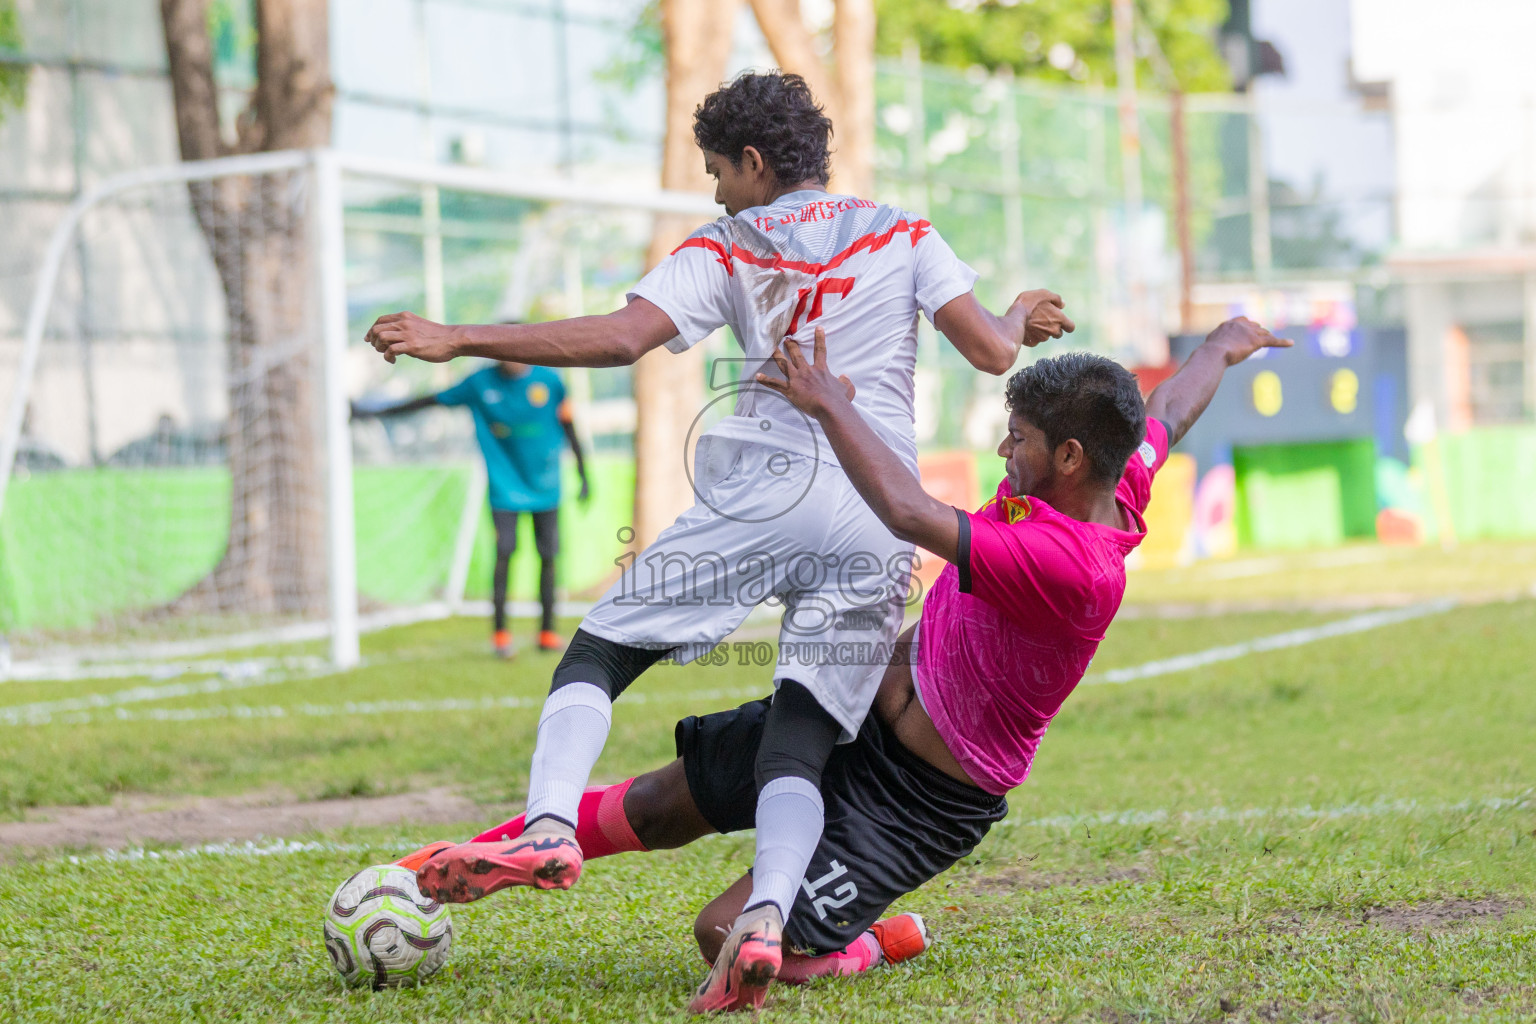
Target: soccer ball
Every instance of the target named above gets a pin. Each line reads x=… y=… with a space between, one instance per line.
x=380 y=928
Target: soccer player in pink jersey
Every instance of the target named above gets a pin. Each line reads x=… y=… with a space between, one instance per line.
x=1007 y=631
x=775 y=517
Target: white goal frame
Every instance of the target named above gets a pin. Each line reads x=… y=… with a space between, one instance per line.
x=328 y=167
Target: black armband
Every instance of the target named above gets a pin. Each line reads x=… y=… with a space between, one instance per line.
x=963 y=551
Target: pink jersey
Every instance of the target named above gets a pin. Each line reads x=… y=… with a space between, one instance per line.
x=1008 y=631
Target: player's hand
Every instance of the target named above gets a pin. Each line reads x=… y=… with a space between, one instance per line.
x=1043 y=316
x=1240 y=338
x=585 y=494
x=810 y=387
x=406 y=334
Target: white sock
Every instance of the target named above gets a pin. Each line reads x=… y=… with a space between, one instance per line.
x=790 y=816
x=572 y=730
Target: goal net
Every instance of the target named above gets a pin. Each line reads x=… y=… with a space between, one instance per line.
x=178 y=473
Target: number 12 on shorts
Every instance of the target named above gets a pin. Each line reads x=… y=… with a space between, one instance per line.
x=843 y=895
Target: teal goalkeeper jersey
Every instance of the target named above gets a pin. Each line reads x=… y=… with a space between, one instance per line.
x=517 y=423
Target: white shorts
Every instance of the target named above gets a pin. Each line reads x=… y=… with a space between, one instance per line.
x=769 y=525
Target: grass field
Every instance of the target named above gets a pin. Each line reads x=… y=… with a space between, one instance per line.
x=1343 y=829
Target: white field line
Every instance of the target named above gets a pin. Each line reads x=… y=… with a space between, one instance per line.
x=272 y=848
x=1305 y=812
x=75 y=716
x=1377 y=809
x=104 y=663
x=78 y=711
x=92 y=662
x=1273 y=642
x=1245 y=568
x=253 y=674
x=59 y=672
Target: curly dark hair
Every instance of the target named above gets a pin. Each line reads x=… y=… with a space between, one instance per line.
x=774 y=113
x=1088 y=397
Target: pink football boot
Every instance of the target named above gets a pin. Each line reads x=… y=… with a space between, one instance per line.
x=747 y=965
x=469 y=871
x=414 y=861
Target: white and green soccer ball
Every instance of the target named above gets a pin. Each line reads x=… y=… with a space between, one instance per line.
x=379 y=928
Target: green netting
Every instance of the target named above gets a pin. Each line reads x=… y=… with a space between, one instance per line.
x=79 y=545
x=1490 y=481
x=1305 y=495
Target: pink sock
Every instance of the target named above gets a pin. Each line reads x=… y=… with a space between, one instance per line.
x=862 y=954
x=602 y=828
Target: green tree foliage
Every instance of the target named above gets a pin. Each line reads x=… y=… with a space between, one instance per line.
x=644 y=54
x=13 y=77
x=232 y=30
x=1060 y=40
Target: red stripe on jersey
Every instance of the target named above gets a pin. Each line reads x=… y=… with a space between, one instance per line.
x=722 y=256
x=871 y=242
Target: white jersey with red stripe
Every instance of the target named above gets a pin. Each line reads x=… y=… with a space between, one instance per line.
x=861 y=270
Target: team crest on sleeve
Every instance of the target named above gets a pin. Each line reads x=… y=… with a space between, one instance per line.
x=1148 y=453
x=538 y=395
x=1016 y=509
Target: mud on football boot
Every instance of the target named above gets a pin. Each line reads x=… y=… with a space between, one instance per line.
x=901 y=937
x=546 y=856
x=413 y=861
x=748 y=962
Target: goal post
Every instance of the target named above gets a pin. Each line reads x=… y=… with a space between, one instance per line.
x=176 y=459
x=340 y=520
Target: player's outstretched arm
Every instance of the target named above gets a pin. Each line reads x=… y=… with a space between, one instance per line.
x=1179 y=400
x=889 y=488
x=990 y=342
x=614 y=339
x=360 y=412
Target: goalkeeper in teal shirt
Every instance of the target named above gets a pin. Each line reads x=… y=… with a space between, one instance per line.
x=522 y=421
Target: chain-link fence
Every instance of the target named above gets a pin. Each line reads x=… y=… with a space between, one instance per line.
x=1026 y=181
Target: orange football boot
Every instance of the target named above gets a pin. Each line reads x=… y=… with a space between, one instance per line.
x=549 y=640
x=901 y=937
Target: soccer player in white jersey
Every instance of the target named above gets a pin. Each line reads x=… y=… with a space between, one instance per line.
x=775 y=516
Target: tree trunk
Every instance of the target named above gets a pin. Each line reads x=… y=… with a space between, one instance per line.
x=258 y=230
x=783 y=27
x=668 y=387
x=853 y=34
x=847 y=92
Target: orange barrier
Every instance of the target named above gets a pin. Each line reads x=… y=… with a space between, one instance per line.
x=1170 y=513
x=950 y=477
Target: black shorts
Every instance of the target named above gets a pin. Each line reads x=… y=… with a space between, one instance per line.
x=893 y=821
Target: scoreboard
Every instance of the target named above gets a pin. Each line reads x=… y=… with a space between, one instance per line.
x=1335 y=385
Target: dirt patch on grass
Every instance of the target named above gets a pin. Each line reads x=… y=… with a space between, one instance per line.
x=1014 y=879
x=134 y=820
x=1431 y=916
x=1438 y=915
